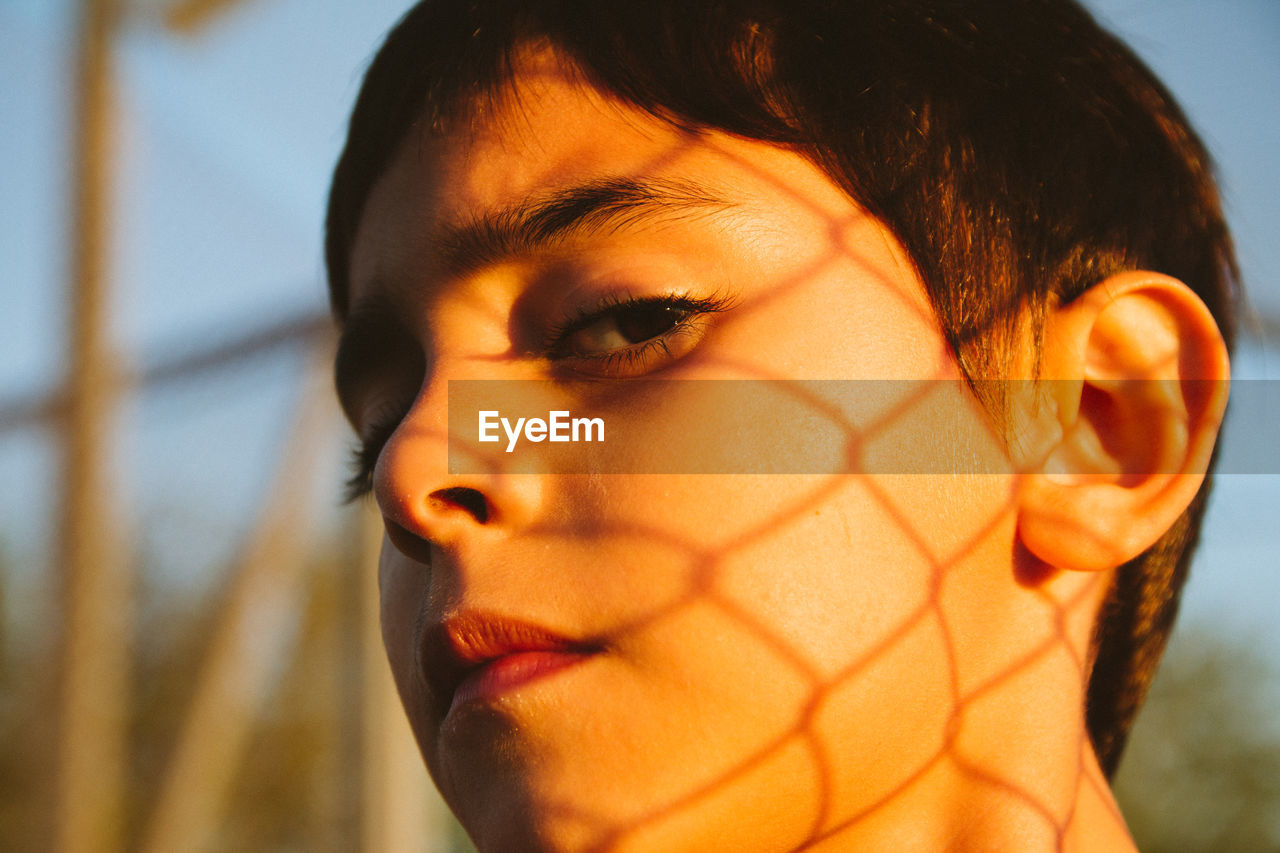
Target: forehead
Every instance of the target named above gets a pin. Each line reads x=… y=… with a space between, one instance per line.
x=547 y=132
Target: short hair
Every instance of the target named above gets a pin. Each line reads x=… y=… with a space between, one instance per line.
x=1018 y=152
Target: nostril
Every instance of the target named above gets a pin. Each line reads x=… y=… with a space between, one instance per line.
x=463 y=498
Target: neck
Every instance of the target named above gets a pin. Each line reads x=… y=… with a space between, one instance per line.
x=1015 y=790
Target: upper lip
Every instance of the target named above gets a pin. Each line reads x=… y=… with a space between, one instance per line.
x=466 y=641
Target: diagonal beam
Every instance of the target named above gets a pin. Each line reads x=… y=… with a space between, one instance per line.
x=253 y=634
x=21 y=411
x=189 y=16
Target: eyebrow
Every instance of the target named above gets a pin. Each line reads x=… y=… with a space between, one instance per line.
x=542 y=222
x=539 y=222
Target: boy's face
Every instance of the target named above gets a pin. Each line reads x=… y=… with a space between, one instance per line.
x=670 y=661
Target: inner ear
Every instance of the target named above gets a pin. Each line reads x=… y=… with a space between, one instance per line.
x=1136 y=375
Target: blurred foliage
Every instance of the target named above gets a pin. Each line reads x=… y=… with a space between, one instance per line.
x=298 y=788
x=1202 y=770
x=27 y=691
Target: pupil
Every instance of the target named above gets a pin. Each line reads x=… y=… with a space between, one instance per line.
x=643 y=322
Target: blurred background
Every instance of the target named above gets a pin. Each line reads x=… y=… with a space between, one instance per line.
x=189 y=656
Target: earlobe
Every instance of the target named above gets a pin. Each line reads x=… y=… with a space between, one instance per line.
x=1134 y=387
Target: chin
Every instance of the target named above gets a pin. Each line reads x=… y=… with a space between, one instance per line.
x=505 y=824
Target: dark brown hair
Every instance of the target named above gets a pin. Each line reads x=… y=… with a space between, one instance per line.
x=1019 y=153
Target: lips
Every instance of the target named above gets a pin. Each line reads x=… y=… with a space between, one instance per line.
x=477 y=658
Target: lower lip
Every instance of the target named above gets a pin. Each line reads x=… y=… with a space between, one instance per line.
x=510 y=672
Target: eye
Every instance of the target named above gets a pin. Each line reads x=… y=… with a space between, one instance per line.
x=628 y=325
x=632 y=336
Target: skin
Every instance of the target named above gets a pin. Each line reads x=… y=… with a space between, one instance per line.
x=839 y=662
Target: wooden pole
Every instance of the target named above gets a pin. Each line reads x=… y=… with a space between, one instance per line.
x=94 y=649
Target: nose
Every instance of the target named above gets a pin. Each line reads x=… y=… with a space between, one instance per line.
x=424 y=503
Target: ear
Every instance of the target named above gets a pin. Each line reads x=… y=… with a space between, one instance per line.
x=1133 y=389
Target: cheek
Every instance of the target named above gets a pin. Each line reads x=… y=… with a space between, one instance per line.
x=820 y=569
x=780 y=619
x=829 y=580
x=847 y=605
x=814 y=577
x=403 y=588
x=398 y=590
x=842 y=571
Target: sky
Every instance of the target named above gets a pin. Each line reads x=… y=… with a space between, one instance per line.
x=226 y=140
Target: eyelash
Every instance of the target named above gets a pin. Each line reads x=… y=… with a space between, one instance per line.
x=615 y=362
x=366 y=450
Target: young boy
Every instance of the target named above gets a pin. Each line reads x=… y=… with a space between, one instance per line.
x=977 y=193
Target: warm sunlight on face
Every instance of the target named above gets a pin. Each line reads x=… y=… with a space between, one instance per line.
x=676 y=661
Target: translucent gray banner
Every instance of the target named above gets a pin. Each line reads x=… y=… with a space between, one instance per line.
x=1121 y=428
